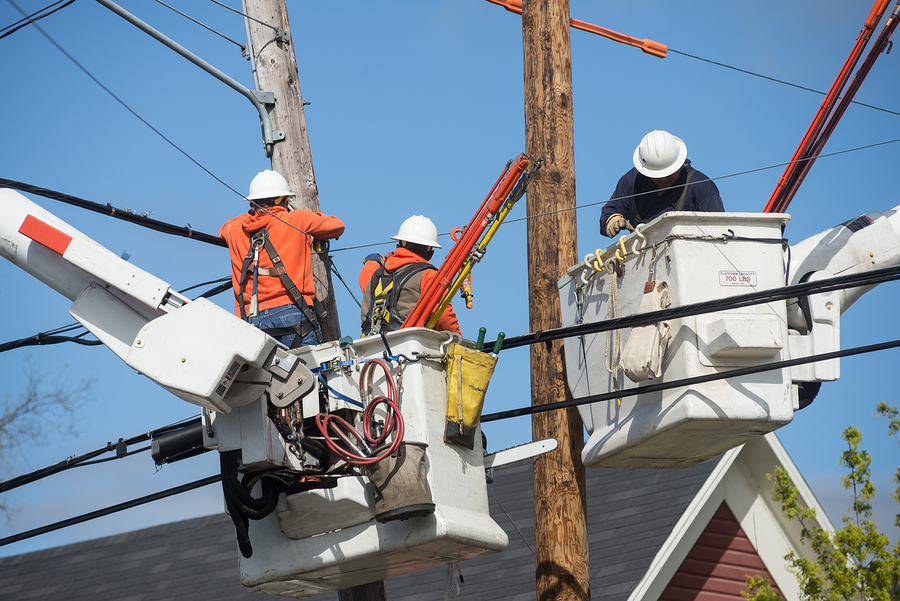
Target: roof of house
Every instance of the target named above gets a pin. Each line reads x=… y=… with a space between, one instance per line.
x=198 y=558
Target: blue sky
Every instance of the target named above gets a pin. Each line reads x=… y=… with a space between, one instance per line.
x=415 y=108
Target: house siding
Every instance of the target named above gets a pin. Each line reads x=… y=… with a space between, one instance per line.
x=717 y=566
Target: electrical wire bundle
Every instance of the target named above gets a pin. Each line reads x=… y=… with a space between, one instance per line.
x=370 y=447
x=243 y=506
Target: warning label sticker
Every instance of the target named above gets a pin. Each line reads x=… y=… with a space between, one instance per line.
x=737 y=278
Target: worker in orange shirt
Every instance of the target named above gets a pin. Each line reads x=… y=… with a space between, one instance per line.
x=392 y=285
x=271 y=262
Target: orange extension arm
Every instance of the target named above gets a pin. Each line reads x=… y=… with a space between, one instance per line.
x=431 y=297
x=788 y=183
x=647 y=46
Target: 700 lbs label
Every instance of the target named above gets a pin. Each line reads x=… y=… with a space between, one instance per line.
x=737 y=278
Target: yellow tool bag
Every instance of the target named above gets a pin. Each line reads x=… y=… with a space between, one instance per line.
x=468 y=374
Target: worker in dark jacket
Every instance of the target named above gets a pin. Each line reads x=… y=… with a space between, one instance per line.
x=662 y=180
x=392 y=285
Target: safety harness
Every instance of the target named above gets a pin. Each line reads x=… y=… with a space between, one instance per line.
x=260 y=239
x=679 y=205
x=385 y=294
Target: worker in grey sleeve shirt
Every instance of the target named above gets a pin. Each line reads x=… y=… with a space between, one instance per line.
x=662 y=180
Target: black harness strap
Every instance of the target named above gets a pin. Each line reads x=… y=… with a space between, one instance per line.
x=261 y=238
x=383 y=306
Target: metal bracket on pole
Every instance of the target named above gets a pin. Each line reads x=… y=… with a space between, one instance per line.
x=282 y=36
x=263 y=101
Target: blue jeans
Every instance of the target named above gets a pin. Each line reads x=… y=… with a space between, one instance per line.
x=283 y=317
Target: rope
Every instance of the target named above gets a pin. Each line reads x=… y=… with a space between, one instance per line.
x=452 y=583
x=613 y=312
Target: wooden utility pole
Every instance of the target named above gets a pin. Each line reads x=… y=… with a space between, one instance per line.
x=560 y=531
x=275 y=70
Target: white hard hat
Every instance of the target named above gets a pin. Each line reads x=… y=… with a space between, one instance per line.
x=418 y=229
x=268 y=184
x=659 y=154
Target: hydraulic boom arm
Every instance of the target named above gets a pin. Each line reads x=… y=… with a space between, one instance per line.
x=193 y=348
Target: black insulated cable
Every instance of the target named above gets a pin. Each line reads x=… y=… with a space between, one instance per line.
x=854 y=280
x=242 y=506
x=733 y=373
x=111 y=211
x=35 y=16
x=81 y=460
x=110 y=510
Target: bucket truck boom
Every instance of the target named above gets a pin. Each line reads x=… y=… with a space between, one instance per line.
x=193 y=348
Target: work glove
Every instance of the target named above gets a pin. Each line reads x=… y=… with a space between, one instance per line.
x=374 y=257
x=614 y=224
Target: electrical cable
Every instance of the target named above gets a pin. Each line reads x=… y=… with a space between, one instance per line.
x=125 y=105
x=45 y=339
x=787 y=83
x=245 y=15
x=14 y=27
x=187 y=232
x=119 y=447
x=854 y=280
x=486 y=418
x=111 y=211
x=709 y=179
x=190 y=18
x=110 y=510
x=218 y=281
x=335 y=271
x=733 y=373
x=51 y=337
x=108 y=459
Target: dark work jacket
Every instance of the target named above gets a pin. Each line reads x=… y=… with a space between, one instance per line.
x=702 y=196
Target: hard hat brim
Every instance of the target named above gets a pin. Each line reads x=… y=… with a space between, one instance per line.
x=420 y=241
x=264 y=197
x=680 y=157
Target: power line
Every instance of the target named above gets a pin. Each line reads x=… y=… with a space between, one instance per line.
x=190 y=18
x=120 y=448
x=52 y=336
x=47 y=338
x=709 y=179
x=493 y=417
x=734 y=373
x=110 y=510
x=854 y=280
x=14 y=27
x=125 y=105
x=188 y=232
x=111 y=211
x=787 y=83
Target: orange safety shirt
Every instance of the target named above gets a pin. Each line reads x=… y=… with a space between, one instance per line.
x=293 y=246
x=399 y=258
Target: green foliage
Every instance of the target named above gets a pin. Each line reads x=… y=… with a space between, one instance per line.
x=760 y=589
x=855 y=563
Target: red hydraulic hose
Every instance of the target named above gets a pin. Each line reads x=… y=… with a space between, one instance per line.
x=874 y=52
x=333 y=425
x=776 y=202
x=431 y=297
